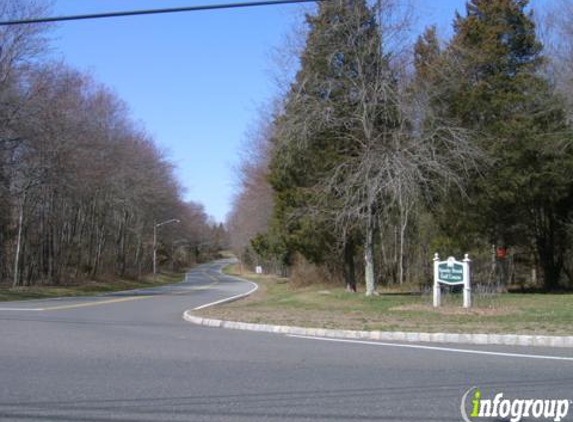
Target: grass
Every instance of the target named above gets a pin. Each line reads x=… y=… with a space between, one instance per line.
x=89 y=288
x=327 y=306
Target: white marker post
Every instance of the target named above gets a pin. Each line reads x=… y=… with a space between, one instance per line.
x=467 y=284
x=452 y=273
x=437 y=292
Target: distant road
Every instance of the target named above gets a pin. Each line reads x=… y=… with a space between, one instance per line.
x=130 y=357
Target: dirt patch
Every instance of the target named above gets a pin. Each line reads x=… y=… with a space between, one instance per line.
x=306 y=318
x=490 y=312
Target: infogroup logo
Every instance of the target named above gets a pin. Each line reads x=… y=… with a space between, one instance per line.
x=513 y=410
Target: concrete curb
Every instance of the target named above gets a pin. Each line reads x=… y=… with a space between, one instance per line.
x=474 y=339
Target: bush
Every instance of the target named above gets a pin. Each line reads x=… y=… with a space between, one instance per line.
x=305 y=273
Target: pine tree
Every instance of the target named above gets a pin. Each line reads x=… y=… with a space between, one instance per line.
x=489 y=80
x=315 y=133
x=426 y=54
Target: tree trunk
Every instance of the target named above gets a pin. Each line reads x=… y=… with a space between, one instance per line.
x=349 y=267
x=404 y=214
x=550 y=252
x=551 y=262
x=137 y=259
x=99 y=249
x=369 y=256
x=19 y=242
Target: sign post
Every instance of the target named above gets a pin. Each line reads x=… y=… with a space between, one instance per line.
x=437 y=291
x=467 y=285
x=452 y=273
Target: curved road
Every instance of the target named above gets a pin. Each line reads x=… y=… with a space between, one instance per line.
x=130 y=357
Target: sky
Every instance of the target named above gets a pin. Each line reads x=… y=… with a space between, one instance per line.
x=196 y=81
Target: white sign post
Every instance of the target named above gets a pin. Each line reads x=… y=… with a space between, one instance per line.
x=452 y=273
x=467 y=282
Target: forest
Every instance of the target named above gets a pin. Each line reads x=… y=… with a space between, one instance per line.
x=82 y=185
x=384 y=148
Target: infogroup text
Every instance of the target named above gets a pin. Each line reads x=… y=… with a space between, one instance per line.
x=512 y=409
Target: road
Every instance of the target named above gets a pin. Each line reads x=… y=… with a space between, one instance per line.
x=131 y=357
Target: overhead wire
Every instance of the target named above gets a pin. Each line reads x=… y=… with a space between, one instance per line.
x=206 y=7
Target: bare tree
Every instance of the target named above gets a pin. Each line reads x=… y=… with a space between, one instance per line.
x=19 y=45
x=391 y=152
x=253 y=202
x=92 y=183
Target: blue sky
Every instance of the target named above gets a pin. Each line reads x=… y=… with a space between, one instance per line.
x=194 y=80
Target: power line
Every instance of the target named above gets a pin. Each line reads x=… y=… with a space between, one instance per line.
x=155 y=11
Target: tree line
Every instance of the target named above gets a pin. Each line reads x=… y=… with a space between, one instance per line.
x=81 y=184
x=380 y=153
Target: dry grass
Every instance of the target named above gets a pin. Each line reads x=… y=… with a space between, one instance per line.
x=279 y=302
x=88 y=288
x=304 y=274
x=451 y=310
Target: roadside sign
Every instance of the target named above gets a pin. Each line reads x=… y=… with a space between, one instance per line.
x=452 y=273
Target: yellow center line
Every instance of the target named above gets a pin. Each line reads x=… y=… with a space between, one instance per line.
x=206 y=287
x=102 y=302
x=130 y=298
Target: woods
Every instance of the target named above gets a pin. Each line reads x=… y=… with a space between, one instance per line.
x=382 y=150
x=81 y=185
x=380 y=155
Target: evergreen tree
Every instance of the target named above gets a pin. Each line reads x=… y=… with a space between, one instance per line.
x=316 y=133
x=426 y=54
x=489 y=81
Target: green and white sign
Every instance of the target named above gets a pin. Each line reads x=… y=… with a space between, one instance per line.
x=452 y=273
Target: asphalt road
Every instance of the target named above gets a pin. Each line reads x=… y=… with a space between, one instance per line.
x=131 y=357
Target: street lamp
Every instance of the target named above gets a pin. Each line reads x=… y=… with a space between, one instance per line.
x=155 y=226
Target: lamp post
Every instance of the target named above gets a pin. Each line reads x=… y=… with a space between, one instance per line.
x=155 y=226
